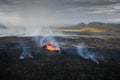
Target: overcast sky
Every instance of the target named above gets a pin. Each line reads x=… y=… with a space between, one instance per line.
x=58 y=12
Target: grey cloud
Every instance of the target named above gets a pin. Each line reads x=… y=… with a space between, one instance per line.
x=48 y=12
x=87 y=3
x=6 y=2
x=103 y=10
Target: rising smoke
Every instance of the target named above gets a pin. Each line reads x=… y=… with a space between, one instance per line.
x=34 y=17
x=26 y=51
x=84 y=53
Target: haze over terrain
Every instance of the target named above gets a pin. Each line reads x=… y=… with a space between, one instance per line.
x=35 y=16
x=58 y=12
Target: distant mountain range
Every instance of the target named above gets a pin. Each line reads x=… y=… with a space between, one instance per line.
x=92 y=27
x=97 y=24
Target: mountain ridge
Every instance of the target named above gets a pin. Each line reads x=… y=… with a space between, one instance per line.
x=92 y=27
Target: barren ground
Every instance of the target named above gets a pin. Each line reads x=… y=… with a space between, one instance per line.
x=47 y=65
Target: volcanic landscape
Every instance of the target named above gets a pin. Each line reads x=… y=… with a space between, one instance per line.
x=59 y=39
x=41 y=64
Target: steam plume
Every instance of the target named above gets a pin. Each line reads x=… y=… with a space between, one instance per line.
x=26 y=51
x=84 y=53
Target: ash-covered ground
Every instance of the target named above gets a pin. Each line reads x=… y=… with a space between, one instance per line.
x=68 y=65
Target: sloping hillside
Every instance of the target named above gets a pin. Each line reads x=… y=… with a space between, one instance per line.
x=86 y=29
x=92 y=27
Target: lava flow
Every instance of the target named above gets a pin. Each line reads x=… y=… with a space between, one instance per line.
x=51 y=47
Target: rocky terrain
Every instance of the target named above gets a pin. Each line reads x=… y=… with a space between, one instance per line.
x=48 y=65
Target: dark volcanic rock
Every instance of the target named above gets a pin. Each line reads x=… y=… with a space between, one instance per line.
x=54 y=67
x=47 y=65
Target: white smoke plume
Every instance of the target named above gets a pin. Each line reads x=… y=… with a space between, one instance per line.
x=26 y=52
x=84 y=53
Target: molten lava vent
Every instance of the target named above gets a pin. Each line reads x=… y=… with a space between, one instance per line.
x=51 y=47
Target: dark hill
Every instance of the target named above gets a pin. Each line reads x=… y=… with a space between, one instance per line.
x=2 y=26
x=93 y=26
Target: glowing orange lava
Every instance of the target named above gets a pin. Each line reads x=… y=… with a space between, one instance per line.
x=51 y=47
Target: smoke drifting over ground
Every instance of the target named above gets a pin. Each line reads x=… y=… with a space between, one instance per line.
x=84 y=53
x=29 y=31
x=33 y=17
x=26 y=51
